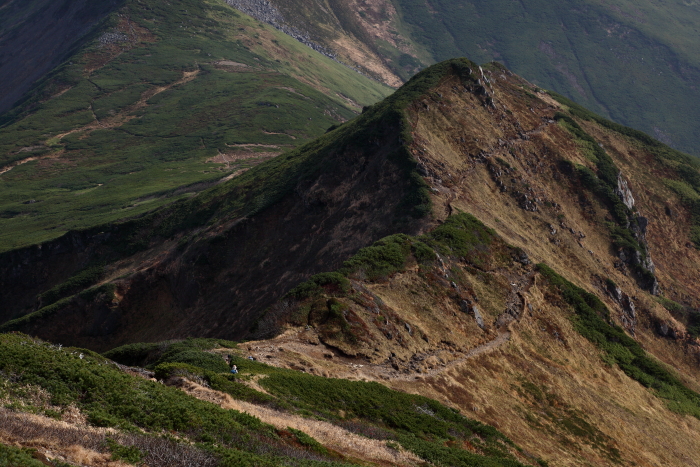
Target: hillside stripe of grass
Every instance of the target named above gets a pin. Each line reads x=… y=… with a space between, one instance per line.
x=105 y=293
x=151 y=354
x=592 y=320
x=422 y=425
x=83 y=279
x=461 y=235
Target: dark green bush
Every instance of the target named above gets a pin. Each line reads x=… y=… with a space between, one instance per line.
x=15 y=457
x=151 y=354
x=199 y=359
x=332 y=282
x=128 y=454
x=382 y=259
x=110 y=397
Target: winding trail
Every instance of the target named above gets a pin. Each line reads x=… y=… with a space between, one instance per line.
x=490 y=346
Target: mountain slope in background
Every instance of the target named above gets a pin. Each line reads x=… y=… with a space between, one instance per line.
x=38 y=35
x=163 y=101
x=636 y=63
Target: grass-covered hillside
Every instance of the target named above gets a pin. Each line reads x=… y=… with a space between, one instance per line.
x=162 y=101
x=152 y=423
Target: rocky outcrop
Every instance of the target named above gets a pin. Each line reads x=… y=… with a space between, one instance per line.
x=629 y=313
x=640 y=261
x=264 y=11
x=624 y=192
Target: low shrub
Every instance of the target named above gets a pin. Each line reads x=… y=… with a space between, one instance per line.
x=198 y=359
x=15 y=457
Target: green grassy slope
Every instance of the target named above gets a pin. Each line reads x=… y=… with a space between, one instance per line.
x=138 y=131
x=637 y=63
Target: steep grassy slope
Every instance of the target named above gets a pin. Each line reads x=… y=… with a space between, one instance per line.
x=165 y=100
x=210 y=264
x=460 y=316
x=550 y=354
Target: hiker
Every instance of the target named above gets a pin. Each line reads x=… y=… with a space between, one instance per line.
x=234 y=369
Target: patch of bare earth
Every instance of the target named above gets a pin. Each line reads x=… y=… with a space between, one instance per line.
x=125 y=115
x=356 y=53
x=49 y=157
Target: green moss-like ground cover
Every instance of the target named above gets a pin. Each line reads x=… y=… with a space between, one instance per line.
x=419 y=424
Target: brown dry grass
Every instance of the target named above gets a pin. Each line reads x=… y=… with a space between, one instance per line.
x=84 y=445
x=331 y=436
x=639 y=424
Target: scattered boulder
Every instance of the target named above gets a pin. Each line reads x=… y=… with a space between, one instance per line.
x=666 y=329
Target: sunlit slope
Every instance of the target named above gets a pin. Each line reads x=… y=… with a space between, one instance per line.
x=139 y=112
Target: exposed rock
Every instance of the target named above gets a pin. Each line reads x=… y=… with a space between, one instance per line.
x=522 y=257
x=629 y=313
x=264 y=11
x=477 y=316
x=643 y=222
x=624 y=192
x=666 y=329
x=615 y=292
x=113 y=37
